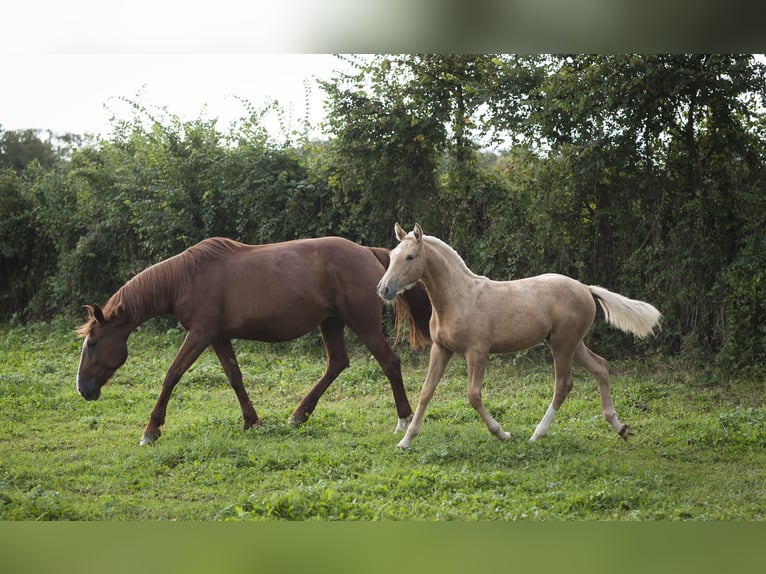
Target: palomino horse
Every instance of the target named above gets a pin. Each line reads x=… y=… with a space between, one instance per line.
x=221 y=290
x=475 y=316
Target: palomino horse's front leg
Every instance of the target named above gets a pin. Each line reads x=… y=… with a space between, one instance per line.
x=437 y=362
x=476 y=362
x=190 y=350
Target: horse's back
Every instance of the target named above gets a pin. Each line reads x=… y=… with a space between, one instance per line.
x=317 y=261
x=555 y=292
x=279 y=291
x=520 y=313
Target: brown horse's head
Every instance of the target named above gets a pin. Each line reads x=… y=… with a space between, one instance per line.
x=407 y=263
x=104 y=350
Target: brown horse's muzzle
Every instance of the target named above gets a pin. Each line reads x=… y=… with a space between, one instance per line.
x=89 y=389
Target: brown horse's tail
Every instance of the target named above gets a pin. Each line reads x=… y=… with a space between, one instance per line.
x=412 y=305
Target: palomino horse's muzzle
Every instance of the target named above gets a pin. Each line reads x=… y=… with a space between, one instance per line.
x=387 y=290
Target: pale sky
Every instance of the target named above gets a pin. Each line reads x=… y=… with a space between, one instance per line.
x=79 y=93
x=65 y=64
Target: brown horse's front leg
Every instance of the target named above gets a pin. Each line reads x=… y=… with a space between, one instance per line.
x=153 y=428
x=190 y=350
x=225 y=353
x=152 y=431
x=337 y=360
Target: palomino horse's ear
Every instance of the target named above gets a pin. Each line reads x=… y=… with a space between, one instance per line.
x=98 y=314
x=400 y=233
x=418 y=232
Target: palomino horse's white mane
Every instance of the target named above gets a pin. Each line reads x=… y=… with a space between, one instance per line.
x=443 y=246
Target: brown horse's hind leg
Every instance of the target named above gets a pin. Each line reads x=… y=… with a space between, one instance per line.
x=337 y=361
x=228 y=359
x=190 y=350
x=598 y=367
x=391 y=365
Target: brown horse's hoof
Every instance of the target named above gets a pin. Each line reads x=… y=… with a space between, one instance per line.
x=297 y=420
x=625 y=432
x=149 y=438
x=253 y=423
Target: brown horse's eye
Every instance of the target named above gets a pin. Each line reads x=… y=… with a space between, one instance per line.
x=91 y=344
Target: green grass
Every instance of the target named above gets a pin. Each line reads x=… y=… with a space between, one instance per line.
x=699 y=450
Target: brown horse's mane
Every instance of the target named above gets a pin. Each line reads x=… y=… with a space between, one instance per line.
x=152 y=291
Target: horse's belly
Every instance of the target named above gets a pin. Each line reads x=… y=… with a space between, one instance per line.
x=516 y=344
x=278 y=326
x=513 y=336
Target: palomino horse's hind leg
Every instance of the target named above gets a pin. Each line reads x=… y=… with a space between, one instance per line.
x=225 y=353
x=337 y=361
x=598 y=367
x=562 y=365
x=476 y=363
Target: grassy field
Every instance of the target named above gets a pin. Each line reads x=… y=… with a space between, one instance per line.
x=698 y=453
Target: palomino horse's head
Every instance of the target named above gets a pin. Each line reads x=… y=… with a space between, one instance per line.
x=407 y=263
x=104 y=350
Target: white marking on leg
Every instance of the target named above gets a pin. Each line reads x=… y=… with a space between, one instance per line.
x=413 y=428
x=614 y=421
x=545 y=424
x=402 y=424
x=501 y=434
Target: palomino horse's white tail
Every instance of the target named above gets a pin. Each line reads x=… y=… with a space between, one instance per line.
x=628 y=315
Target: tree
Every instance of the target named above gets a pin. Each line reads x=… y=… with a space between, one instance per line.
x=382 y=164
x=19 y=148
x=659 y=153
x=407 y=130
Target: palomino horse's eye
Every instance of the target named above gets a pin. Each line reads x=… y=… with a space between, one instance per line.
x=410 y=257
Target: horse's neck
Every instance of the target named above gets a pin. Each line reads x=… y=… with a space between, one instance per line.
x=147 y=295
x=447 y=276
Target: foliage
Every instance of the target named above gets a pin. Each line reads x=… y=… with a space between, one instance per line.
x=642 y=173
x=20 y=148
x=660 y=151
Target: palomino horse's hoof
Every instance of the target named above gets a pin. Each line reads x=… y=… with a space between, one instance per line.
x=625 y=432
x=503 y=435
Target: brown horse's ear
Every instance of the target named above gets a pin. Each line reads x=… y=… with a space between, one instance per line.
x=418 y=232
x=400 y=233
x=98 y=314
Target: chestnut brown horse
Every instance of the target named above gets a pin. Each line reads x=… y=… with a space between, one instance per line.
x=475 y=316
x=221 y=290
